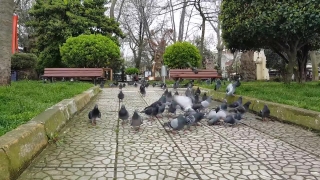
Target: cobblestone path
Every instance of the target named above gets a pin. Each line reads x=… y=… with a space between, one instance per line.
x=252 y=150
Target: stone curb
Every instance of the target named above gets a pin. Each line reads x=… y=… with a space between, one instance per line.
x=19 y=146
x=299 y=116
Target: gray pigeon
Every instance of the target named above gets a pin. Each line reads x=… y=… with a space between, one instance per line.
x=242 y=108
x=169 y=98
x=120 y=86
x=236 y=103
x=217 y=85
x=188 y=92
x=198 y=91
x=94 y=114
x=136 y=121
x=176 y=93
x=143 y=90
x=204 y=97
x=176 y=124
x=198 y=116
x=161 y=109
x=176 y=85
x=265 y=112
x=214 y=121
x=123 y=114
x=120 y=96
x=173 y=108
x=231 y=88
x=230 y=119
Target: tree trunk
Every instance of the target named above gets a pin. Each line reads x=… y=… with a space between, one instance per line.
x=6 y=13
x=289 y=70
x=314 y=62
x=113 y=4
x=181 y=25
x=203 y=30
x=174 y=34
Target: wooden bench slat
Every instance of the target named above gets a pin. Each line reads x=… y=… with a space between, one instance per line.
x=73 y=72
x=188 y=73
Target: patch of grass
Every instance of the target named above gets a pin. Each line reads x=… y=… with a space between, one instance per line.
x=305 y=95
x=23 y=100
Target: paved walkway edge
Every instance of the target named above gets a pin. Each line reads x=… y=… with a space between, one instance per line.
x=21 y=145
x=298 y=116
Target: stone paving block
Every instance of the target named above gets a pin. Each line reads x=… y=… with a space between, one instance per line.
x=278 y=129
x=311 y=144
x=273 y=149
x=297 y=169
x=68 y=174
x=236 y=171
x=149 y=132
x=204 y=152
x=78 y=156
x=168 y=172
x=239 y=131
x=149 y=154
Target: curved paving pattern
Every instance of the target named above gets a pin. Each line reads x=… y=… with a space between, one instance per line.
x=110 y=150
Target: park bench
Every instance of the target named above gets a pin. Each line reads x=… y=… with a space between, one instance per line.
x=93 y=73
x=189 y=74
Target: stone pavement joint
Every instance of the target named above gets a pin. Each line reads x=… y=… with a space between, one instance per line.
x=252 y=150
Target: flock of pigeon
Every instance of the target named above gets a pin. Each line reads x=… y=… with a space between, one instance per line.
x=194 y=108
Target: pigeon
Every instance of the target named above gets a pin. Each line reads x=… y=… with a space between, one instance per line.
x=152 y=111
x=194 y=69
x=217 y=85
x=136 y=121
x=124 y=85
x=176 y=93
x=198 y=117
x=143 y=90
x=204 y=97
x=183 y=101
x=172 y=108
x=94 y=114
x=198 y=91
x=196 y=98
x=120 y=96
x=242 y=108
x=231 y=119
x=154 y=84
x=123 y=114
x=135 y=84
x=175 y=85
x=231 y=88
x=176 y=124
x=169 y=98
x=101 y=84
x=120 y=86
x=165 y=92
x=265 y=112
x=214 y=121
x=236 y=103
x=161 y=108
x=147 y=84
x=188 y=92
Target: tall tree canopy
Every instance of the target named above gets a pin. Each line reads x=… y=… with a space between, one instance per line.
x=54 y=21
x=288 y=27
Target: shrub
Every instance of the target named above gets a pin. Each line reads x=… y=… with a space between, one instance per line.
x=22 y=61
x=90 y=51
x=178 y=54
x=131 y=71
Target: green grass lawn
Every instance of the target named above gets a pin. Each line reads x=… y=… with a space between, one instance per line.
x=23 y=100
x=305 y=96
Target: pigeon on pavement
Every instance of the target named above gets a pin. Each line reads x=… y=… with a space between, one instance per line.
x=265 y=112
x=143 y=90
x=94 y=114
x=136 y=121
x=176 y=124
x=121 y=96
x=123 y=114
